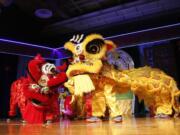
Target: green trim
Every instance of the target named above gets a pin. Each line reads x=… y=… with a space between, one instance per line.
x=128 y=95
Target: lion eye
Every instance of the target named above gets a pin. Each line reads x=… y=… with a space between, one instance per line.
x=46 y=66
x=78 y=49
x=94 y=49
x=94 y=46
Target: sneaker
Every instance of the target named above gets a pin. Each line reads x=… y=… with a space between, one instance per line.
x=164 y=116
x=117 y=119
x=93 y=119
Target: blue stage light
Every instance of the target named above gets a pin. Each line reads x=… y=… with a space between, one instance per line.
x=146 y=30
x=151 y=42
x=25 y=44
x=24 y=55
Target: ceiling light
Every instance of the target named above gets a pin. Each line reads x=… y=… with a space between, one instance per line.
x=43 y=13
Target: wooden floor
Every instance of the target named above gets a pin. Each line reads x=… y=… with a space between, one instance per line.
x=130 y=126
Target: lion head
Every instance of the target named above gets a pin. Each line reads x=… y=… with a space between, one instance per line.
x=88 y=53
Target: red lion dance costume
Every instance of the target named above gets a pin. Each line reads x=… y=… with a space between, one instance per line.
x=40 y=91
x=17 y=96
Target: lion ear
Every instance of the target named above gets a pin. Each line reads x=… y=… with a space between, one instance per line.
x=70 y=46
x=110 y=45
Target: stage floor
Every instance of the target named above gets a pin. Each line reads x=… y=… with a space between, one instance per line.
x=130 y=126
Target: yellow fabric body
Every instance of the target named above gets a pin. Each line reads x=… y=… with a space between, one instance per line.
x=101 y=99
x=83 y=84
x=80 y=84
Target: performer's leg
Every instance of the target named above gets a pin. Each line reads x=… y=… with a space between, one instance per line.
x=163 y=103
x=164 y=110
x=79 y=107
x=32 y=114
x=53 y=111
x=98 y=106
x=126 y=106
x=112 y=102
x=88 y=105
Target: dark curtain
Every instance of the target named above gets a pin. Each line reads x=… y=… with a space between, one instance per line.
x=164 y=56
x=8 y=72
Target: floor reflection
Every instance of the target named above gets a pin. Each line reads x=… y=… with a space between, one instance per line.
x=131 y=126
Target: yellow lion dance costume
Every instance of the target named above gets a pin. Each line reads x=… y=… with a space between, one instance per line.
x=90 y=73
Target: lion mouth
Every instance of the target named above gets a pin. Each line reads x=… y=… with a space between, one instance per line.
x=84 y=67
x=37 y=103
x=77 y=72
